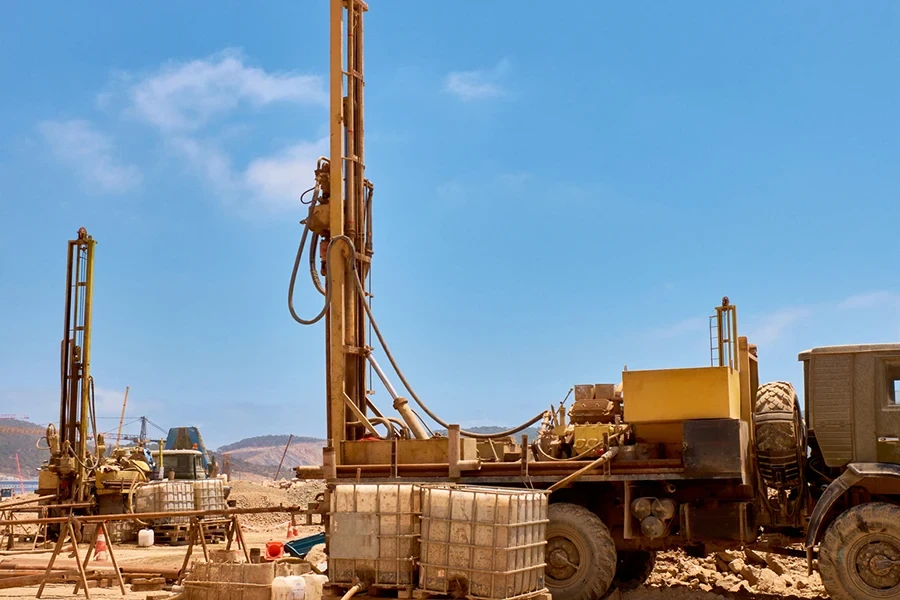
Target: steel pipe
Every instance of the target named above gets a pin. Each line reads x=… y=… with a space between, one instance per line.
x=159 y=515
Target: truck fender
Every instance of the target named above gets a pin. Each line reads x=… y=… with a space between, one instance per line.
x=854 y=473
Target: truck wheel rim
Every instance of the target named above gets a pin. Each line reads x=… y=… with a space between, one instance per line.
x=563 y=559
x=875 y=564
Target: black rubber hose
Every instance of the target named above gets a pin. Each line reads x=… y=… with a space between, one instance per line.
x=293 y=282
x=313 y=274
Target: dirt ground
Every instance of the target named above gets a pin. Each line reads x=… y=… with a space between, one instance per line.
x=733 y=575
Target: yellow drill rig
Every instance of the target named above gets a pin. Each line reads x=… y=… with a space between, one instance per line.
x=77 y=471
x=700 y=459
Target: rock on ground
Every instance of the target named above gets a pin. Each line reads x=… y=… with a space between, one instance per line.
x=254 y=495
x=728 y=575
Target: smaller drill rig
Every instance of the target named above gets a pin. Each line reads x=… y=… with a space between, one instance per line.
x=68 y=471
x=77 y=471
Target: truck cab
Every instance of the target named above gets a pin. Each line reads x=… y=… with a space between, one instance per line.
x=851 y=402
x=183 y=464
x=853 y=420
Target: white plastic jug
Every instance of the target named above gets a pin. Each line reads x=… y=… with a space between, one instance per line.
x=314 y=585
x=145 y=538
x=292 y=587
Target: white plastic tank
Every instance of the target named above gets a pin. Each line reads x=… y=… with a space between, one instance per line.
x=209 y=494
x=145 y=538
x=292 y=587
x=165 y=496
x=374 y=533
x=482 y=541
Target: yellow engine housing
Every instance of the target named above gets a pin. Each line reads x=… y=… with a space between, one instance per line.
x=116 y=481
x=586 y=437
x=681 y=394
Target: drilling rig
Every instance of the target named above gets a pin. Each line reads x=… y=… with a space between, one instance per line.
x=78 y=471
x=700 y=459
x=67 y=473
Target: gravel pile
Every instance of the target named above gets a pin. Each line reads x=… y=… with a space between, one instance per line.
x=729 y=574
x=254 y=495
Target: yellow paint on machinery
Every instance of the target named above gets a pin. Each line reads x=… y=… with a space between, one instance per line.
x=48 y=482
x=115 y=481
x=591 y=436
x=681 y=394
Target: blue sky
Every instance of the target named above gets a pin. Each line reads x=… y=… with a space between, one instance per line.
x=558 y=193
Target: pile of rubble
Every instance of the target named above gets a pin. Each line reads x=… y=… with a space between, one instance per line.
x=728 y=573
x=255 y=495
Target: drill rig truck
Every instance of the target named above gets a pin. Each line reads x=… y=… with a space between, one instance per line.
x=699 y=459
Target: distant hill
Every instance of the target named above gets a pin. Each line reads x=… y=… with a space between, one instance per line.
x=267 y=440
x=259 y=456
x=30 y=457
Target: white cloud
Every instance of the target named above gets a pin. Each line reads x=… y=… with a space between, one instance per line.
x=91 y=153
x=185 y=96
x=477 y=84
x=768 y=328
x=193 y=106
x=182 y=100
x=871 y=300
x=280 y=179
x=211 y=162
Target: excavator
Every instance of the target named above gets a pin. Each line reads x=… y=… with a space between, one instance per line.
x=701 y=459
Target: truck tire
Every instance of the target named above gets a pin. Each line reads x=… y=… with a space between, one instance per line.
x=780 y=435
x=633 y=568
x=580 y=554
x=850 y=552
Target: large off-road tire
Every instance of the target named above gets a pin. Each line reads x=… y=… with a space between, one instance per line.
x=580 y=554
x=859 y=557
x=633 y=568
x=780 y=435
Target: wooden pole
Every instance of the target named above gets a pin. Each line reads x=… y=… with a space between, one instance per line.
x=87 y=555
x=283 y=454
x=240 y=536
x=112 y=557
x=81 y=573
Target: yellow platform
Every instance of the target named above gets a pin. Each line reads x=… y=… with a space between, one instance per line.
x=681 y=394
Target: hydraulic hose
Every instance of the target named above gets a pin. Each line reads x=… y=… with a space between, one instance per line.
x=313 y=274
x=299 y=256
x=93 y=411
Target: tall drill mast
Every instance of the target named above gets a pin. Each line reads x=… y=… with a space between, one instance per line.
x=75 y=394
x=349 y=214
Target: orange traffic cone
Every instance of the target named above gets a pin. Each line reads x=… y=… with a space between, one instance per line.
x=100 y=552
